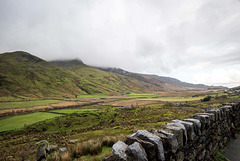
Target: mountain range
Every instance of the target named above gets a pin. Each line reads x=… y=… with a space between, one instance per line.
x=23 y=75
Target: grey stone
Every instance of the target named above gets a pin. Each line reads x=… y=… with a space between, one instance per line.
x=197 y=125
x=201 y=156
x=135 y=152
x=119 y=149
x=114 y=157
x=62 y=150
x=147 y=136
x=171 y=140
x=53 y=148
x=73 y=141
x=205 y=118
x=42 y=150
x=179 y=156
x=178 y=132
x=189 y=128
x=149 y=147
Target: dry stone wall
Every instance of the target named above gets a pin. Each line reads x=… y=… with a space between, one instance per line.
x=196 y=138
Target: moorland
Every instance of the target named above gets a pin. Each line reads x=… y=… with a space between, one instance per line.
x=86 y=109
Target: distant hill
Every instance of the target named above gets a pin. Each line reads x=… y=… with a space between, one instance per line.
x=167 y=83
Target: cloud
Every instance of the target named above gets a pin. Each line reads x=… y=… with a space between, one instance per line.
x=159 y=37
x=229 y=77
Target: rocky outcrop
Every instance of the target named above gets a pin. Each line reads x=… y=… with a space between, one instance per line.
x=42 y=150
x=195 y=138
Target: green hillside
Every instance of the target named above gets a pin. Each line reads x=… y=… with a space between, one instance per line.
x=23 y=75
x=94 y=79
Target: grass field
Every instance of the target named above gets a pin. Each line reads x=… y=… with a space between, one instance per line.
x=69 y=111
x=90 y=95
x=175 y=99
x=26 y=104
x=94 y=122
x=17 y=122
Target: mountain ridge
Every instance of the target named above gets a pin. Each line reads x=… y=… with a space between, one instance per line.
x=23 y=75
x=157 y=78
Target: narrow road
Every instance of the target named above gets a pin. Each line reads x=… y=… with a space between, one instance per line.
x=232 y=151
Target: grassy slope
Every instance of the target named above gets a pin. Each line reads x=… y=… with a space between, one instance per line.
x=97 y=80
x=23 y=75
x=113 y=83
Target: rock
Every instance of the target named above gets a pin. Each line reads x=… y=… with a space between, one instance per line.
x=170 y=140
x=189 y=128
x=197 y=125
x=113 y=157
x=178 y=124
x=119 y=149
x=53 y=148
x=62 y=150
x=148 y=146
x=201 y=156
x=135 y=152
x=42 y=150
x=177 y=131
x=179 y=156
x=205 y=119
x=73 y=141
x=118 y=152
x=216 y=113
x=147 y=136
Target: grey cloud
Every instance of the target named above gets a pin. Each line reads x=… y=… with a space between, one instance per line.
x=155 y=36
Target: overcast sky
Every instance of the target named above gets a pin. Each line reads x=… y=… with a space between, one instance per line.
x=196 y=41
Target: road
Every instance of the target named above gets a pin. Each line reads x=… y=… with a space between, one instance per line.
x=232 y=151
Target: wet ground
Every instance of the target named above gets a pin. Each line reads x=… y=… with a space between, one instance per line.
x=232 y=151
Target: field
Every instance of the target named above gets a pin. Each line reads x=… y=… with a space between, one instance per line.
x=95 y=120
x=26 y=104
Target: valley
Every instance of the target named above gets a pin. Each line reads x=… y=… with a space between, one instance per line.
x=85 y=110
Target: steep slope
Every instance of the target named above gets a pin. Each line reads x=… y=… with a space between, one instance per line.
x=101 y=80
x=24 y=75
x=167 y=83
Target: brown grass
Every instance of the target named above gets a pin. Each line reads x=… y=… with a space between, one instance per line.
x=92 y=147
x=65 y=156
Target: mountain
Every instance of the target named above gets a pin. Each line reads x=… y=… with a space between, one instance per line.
x=167 y=83
x=23 y=75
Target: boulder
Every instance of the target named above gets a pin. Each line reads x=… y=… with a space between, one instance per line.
x=135 y=152
x=42 y=150
x=147 y=136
